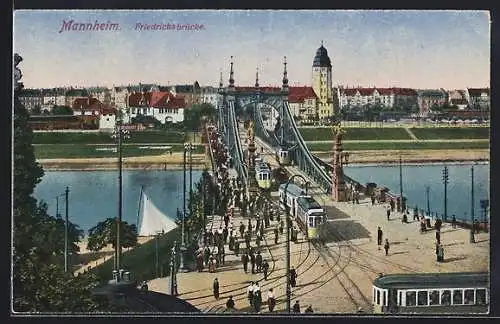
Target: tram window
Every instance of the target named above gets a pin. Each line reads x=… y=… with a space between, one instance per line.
x=378 y=297
x=422 y=298
x=318 y=221
x=399 y=298
x=481 y=296
x=469 y=296
x=446 y=297
x=311 y=221
x=385 y=298
x=457 y=297
x=411 y=297
x=434 y=297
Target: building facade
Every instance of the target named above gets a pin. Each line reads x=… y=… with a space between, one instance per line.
x=478 y=98
x=399 y=99
x=162 y=105
x=322 y=83
x=31 y=98
x=209 y=95
x=430 y=100
x=303 y=103
x=92 y=111
x=458 y=99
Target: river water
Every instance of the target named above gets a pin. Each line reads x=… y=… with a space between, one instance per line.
x=93 y=195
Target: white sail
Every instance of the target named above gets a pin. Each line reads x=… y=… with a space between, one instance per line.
x=152 y=220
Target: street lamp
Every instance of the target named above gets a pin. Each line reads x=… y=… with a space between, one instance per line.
x=183 y=250
x=173 y=279
x=66 y=231
x=401 y=182
x=119 y=133
x=427 y=190
x=288 y=290
x=445 y=182
x=472 y=239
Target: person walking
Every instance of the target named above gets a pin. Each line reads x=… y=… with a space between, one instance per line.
x=250 y=294
x=258 y=261
x=206 y=255
x=309 y=309
x=226 y=220
x=293 y=277
x=276 y=235
x=249 y=225
x=296 y=307
x=265 y=268
x=222 y=254
x=230 y=303
x=252 y=262
x=438 y=236
x=386 y=246
x=225 y=233
x=242 y=229
x=388 y=211
x=247 y=239
x=244 y=259
x=271 y=300
x=454 y=221
x=373 y=199
x=257 y=298
x=379 y=236
x=231 y=242
x=216 y=288
x=281 y=227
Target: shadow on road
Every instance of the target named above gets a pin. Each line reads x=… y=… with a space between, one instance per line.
x=454 y=259
x=343 y=230
x=334 y=213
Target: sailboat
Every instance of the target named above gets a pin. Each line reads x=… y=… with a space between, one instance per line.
x=150 y=220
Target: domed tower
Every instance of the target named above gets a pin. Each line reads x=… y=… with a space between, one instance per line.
x=322 y=82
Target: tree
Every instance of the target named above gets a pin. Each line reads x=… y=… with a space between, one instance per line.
x=38 y=279
x=62 y=110
x=194 y=115
x=37 y=110
x=104 y=233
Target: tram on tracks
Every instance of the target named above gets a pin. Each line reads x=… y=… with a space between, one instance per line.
x=262 y=174
x=306 y=211
x=432 y=293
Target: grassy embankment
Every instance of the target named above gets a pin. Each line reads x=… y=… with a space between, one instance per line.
x=99 y=145
x=386 y=135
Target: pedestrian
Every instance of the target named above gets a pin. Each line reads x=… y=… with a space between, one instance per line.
x=216 y=288
x=206 y=255
x=252 y=262
x=293 y=277
x=242 y=229
x=237 y=247
x=415 y=213
x=373 y=198
x=296 y=307
x=388 y=212
x=391 y=203
x=247 y=240
x=231 y=242
x=249 y=225
x=211 y=264
x=386 y=246
x=199 y=262
x=226 y=220
x=257 y=298
x=222 y=254
x=276 y=235
x=379 y=236
x=244 y=259
x=225 y=233
x=250 y=293
x=230 y=303
x=265 y=268
x=281 y=227
x=437 y=251
x=258 y=261
x=257 y=227
x=438 y=237
x=271 y=300
x=309 y=309
x=454 y=221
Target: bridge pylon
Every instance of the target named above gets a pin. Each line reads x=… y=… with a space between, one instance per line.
x=339 y=190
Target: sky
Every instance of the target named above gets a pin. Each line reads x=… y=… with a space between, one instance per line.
x=415 y=49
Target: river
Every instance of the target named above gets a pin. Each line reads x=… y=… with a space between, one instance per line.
x=93 y=195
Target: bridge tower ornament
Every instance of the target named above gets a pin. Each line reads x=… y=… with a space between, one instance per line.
x=231 y=75
x=339 y=158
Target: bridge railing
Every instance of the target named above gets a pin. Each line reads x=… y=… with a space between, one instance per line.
x=326 y=179
x=239 y=160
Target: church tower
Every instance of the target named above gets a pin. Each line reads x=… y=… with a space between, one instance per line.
x=322 y=82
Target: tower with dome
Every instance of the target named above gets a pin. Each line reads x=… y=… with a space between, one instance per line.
x=322 y=82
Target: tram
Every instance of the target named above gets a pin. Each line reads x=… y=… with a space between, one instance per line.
x=440 y=293
x=306 y=211
x=283 y=156
x=262 y=174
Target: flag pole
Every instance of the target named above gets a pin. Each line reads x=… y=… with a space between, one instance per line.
x=139 y=209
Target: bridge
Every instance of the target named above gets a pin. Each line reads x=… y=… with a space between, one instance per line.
x=249 y=102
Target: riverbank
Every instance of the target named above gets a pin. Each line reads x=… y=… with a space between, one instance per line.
x=175 y=161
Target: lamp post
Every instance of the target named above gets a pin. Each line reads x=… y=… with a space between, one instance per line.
x=401 y=182
x=119 y=133
x=445 y=182
x=183 y=249
x=173 y=279
x=472 y=239
x=66 y=231
x=287 y=254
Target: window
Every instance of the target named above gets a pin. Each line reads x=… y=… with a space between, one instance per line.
x=400 y=295
x=434 y=297
x=385 y=298
x=374 y=292
x=411 y=297
x=311 y=221
x=469 y=296
x=422 y=298
x=378 y=297
x=458 y=297
x=446 y=297
x=481 y=296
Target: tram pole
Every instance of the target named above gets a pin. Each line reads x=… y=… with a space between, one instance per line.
x=445 y=182
x=287 y=254
x=472 y=238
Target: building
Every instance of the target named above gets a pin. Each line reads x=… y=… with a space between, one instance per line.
x=53 y=97
x=94 y=112
x=478 y=98
x=458 y=99
x=72 y=94
x=209 y=95
x=303 y=103
x=31 y=98
x=191 y=93
x=430 y=99
x=405 y=99
x=162 y=105
x=102 y=94
x=119 y=97
x=322 y=83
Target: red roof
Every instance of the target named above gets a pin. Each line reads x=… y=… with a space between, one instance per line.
x=298 y=94
x=365 y=91
x=85 y=103
x=381 y=91
x=384 y=91
x=404 y=92
x=157 y=99
x=135 y=98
